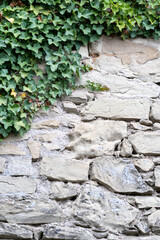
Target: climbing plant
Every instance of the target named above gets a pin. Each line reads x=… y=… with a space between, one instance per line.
x=39 y=43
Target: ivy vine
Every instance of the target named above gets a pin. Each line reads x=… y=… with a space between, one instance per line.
x=39 y=43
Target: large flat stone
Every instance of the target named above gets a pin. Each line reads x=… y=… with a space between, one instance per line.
x=122 y=86
x=18 y=167
x=65 y=170
x=147 y=202
x=154 y=220
x=116 y=108
x=45 y=124
x=16 y=185
x=2 y=163
x=129 y=51
x=147 y=143
x=119 y=176
x=100 y=209
x=14 y=231
x=31 y=212
x=97 y=138
x=66 y=233
x=10 y=149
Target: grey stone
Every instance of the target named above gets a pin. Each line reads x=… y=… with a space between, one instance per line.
x=15 y=231
x=98 y=208
x=70 y=107
x=120 y=86
x=61 y=191
x=20 y=167
x=34 y=148
x=66 y=233
x=119 y=176
x=35 y=212
x=45 y=124
x=96 y=138
x=126 y=148
x=138 y=126
x=155 y=111
x=144 y=164
x=146 y=143
x=157 y=176
x=154 y=220
x=65 y=170
x=147 y=202
x=95 y=48
x=83 y=51
x=116 y=108
x=146 y=122
x=10 y=149
x=2 y=164
x=80 y=96
x=156 y=126
x=17 y=185
x=129 y=51
x=52 y=146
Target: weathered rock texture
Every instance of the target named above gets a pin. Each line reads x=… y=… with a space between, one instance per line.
x=89 y=168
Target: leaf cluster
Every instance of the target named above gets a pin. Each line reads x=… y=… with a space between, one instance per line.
x=39 y=43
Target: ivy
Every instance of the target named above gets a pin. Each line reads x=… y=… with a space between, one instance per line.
x=39 y=43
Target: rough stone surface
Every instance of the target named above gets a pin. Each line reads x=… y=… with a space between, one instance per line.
x=10 y=149
x=15 y=232
x=147 y=202
x=157 y=176
x=65 y=170
x=20 y=167
x=34 y=147
x=98 y=208
x=60 y=190
x=2 y=163
x=144 y=164
x=89 y=167
x=97 y=138
x=21 y=185
x=119 y=176
x=155 y=111
x=146 y=142
x=116 y=108
x=66 y=233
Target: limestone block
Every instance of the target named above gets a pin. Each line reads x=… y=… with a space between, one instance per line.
x=144 y=164
x=56 y=168
x=80 y=96
x=119 y=176
x=146 y=122
x=129 y=51
x=120 y=85
x=95 y=48
x=155 y=111
x=20 y=167
x=116 y=108
x=66 y=233
x=35 y=212
x=2 y=163
x=52 y=146
x=45 y=124
x=147 y=202
x=61 y=191
x=147 y=143
x=96 y=138
x=138 y=126
x=34 y=147
x=156 y=126
x=70 y=107
x=154 y=220
x=14 y=185
x=98 y=208
x=15 y=231
x=157 y=176
x=126 y=148
x=83 y=51
x=10 y=149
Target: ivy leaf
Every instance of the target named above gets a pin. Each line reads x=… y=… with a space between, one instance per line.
x=18 y=125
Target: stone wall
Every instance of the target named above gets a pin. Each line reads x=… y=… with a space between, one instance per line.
x=89 y=168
